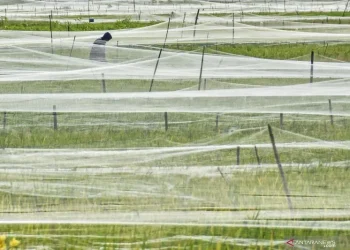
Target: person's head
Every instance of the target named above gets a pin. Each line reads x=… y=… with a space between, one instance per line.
x=107 y=36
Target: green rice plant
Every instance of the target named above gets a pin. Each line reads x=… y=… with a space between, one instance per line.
x=64 y=26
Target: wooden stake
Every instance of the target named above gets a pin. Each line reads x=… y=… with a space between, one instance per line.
x=195 y=24
x=155 y=70
x=312 y=67
x=103 y=83
x=201 y=71
x=54 y=118
x=281 y=120
x=166 y=35
x=346 y=6
x=68 y=28
x=257 y=155
x=238 y=155
x=217 y=123
x=50 y=18
x=166 y=120
x=4 y=121
x=183 y=24
x=285 y=187
x=233 y=27
x=71 y=50
x=330 y=111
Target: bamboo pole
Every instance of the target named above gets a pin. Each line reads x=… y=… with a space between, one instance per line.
x=155 y=70
x=201 y=71
x=277 y=158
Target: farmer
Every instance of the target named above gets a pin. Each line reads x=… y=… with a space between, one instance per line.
x=97 y=52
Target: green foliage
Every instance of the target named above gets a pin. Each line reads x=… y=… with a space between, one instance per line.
x=64 y=26
x=115 y=236
x=23 y=132
x=275 y=51
x=308 y=13
x=296 y=13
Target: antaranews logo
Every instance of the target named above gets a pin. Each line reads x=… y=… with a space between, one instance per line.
x=320 y=243
x=290 y=242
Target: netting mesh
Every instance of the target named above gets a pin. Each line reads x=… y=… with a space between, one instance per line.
x=82 y=137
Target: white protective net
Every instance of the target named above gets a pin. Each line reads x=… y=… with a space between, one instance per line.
x=111 y=151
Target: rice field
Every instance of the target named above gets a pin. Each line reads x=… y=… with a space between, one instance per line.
x=210 y=125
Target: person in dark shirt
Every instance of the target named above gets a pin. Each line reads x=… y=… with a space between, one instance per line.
x=98 y=52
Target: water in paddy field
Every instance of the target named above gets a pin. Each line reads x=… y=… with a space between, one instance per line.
x=171 y=149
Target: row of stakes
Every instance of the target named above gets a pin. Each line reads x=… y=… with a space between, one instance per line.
x=103 y=86
x=103 y=82
x=238 y=149
x=285 y=186
x=166 y=124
